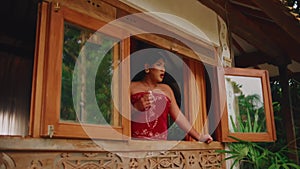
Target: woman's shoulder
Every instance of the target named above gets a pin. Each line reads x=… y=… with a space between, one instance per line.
x=165 y=87
x=137 y=84
x=133 y=84
x=136 y=87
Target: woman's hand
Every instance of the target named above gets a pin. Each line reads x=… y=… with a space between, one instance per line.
x=145 y=102
x=205 y=138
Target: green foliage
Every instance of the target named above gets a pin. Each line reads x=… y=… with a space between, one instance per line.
x=70 y=52
x=267 y=155
x=75 y=44
x=256 y=156
x=103 y=88
x=276 y=89
x=251 y=117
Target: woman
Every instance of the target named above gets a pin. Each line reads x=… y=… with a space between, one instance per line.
x=152 y=102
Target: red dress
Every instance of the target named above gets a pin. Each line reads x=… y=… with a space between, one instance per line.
x=152 y=123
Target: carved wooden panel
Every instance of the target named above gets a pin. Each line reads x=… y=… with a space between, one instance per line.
x=89 y=161
x=112 y=160
x=6 y=161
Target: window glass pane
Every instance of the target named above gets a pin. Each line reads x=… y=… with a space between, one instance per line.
x=87 y=70
x=245 y=104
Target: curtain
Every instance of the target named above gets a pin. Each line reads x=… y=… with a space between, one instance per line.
x=15 y=92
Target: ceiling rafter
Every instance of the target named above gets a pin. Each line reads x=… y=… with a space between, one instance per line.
x=280 y=14
x=251 y=59
x=239 y=24
x=290 y=45
x=252 y=12
x=245 y=28
x=237 y=45
x=245 y=3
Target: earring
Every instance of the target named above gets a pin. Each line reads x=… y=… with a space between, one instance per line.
x=147 y=70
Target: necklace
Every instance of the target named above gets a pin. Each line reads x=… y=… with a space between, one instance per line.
x=150 y=114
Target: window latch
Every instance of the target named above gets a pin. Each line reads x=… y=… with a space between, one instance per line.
x=50 y=130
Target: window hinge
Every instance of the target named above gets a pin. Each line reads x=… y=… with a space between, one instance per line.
x=50 y=130
x=56 y=6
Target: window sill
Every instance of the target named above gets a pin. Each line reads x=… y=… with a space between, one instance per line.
x=54 y=144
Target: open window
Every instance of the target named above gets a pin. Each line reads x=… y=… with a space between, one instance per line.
x=248 y=112
x=81 y=81
x=186 y=78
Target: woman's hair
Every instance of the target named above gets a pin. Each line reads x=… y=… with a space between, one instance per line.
x=142 y=57
x=152 y=56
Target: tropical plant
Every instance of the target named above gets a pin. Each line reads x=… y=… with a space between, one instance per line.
x=250 y=116
x=266 y=155
x=251 y=155
x=281 y=130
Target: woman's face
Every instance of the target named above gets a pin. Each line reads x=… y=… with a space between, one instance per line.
x=157 y=72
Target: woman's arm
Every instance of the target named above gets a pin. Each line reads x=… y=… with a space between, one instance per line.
x=182 y=121
x=184 y=124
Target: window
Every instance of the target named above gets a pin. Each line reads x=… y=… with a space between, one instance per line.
x=248 y=113
x=81 y=69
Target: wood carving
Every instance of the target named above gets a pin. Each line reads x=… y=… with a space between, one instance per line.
x=209 y=159
x=179 y=159
x=133 y=163
x=6 y=162
x=36 y=164
x=169 y=159
x=183 y=159
x=89 y=161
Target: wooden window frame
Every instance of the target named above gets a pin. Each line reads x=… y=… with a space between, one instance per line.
x=48 y=71
x=226 y=135
x=195 y=95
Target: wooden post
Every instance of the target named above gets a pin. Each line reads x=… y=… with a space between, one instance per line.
x=287 y=113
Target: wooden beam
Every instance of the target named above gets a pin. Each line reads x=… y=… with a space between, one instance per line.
x=289 y=44
x=237 y=45
x=242 y=26
x=251 y=59
x=245 y=3
x=287 y=113
x=251 y=32
x=280 y=15
x=252 y=12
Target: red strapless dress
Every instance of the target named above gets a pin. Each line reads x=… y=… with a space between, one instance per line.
x=150 y=124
